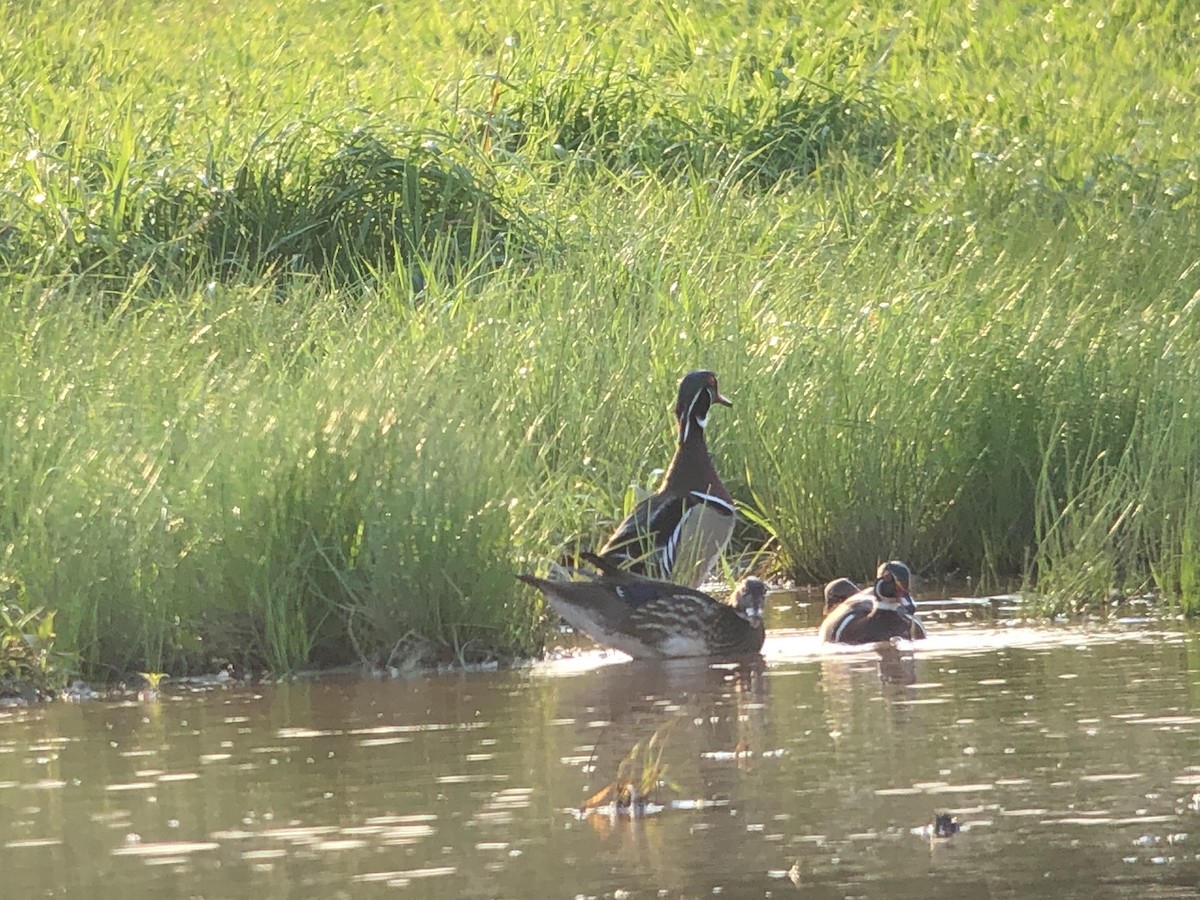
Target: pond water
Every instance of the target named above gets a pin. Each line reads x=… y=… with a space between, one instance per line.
x=1069 y=756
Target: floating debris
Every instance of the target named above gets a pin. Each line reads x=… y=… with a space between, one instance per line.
x=945 y=825
x=153 y=680
x=78 y=692
x=641 y=775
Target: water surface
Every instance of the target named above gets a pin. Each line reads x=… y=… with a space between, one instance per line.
x=1069 y=755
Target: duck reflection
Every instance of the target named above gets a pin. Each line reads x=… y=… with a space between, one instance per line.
x=896 y=666
x=854 y=683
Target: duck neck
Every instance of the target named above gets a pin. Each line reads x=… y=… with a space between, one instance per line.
x=691 y=467
x=884 y=605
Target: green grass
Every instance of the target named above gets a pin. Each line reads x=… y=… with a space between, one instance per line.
x=322 y=323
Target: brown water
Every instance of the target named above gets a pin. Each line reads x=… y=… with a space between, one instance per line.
x=1070 y=756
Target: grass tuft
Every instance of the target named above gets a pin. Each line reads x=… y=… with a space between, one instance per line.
x=344 y=206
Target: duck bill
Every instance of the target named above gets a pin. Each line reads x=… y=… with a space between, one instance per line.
x=724 y=401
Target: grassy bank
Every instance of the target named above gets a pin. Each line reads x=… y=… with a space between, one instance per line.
x=321 y=322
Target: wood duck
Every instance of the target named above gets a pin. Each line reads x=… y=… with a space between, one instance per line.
x=843 y=588
x=680 y=531
x=903 y=578
x=838 y=590
x=878 y=613
x=652 y=619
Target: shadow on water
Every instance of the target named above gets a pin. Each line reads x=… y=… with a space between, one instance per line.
x=1070 y=757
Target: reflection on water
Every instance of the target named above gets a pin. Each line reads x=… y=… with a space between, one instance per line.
x=1070 y=756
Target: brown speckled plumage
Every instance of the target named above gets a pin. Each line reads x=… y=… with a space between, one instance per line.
x=652 y=619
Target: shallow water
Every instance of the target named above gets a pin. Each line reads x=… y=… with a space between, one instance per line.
x=1070 y=757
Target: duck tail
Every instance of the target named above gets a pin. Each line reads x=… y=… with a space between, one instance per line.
x=539 y=583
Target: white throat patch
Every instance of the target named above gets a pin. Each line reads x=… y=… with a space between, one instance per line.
x=702 y=422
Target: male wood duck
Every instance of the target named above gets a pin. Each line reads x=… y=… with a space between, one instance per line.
x=680 y=531
x=652 y=619
x=877 y=613
x=843 y=588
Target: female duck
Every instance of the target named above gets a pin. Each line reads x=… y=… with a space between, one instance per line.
x=651 y=619
x=838 y=590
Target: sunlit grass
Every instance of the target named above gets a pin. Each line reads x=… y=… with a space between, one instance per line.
x=318 y=327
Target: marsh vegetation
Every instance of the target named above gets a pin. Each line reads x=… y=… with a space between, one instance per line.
x=322 y=321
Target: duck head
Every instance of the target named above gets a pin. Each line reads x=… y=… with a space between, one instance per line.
x=891 y=587
x=838 y=590
x=698 y=391
x=750 y=598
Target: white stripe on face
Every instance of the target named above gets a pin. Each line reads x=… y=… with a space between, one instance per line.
x=702 y=422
